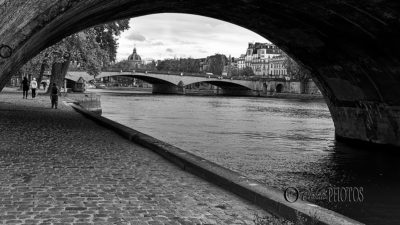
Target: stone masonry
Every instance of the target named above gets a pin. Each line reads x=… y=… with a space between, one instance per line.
x=351 y=47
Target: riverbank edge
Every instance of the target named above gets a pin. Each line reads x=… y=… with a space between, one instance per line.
x=269 y=199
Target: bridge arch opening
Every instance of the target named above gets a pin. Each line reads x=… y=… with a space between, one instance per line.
x=279 y=88
x=228 y=84
x=357 y=73
x=228 y=87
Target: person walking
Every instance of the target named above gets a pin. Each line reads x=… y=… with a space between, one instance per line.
x=54 y=95
x=33 y=87
x=25 y=87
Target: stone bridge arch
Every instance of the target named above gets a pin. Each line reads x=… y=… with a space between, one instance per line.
x=350 y=46
x=160 y=86
x=173 y=84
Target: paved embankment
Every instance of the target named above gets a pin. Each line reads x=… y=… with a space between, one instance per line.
x=271 y=199
x=57 y=167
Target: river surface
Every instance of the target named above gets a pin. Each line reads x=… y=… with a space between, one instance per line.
x=280 y=142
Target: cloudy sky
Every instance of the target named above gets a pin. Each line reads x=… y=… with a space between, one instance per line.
x=169 y=35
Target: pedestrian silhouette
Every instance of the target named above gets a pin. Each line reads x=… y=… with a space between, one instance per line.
x=33 y=87
x=25 y=87
x=54 y=95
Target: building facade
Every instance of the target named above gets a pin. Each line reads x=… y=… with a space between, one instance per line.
x=277 y=67
x=261 y=51
x=258 y=57
x=269 y=62
x=135 y=60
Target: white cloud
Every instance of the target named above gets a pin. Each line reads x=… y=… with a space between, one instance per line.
x=203 y=51
x=157 y=43
x=134 y=36
x=187 y=35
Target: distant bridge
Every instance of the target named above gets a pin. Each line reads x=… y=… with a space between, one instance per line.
x=175 y=84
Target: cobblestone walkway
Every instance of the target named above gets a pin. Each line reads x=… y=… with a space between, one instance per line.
x=57 y=167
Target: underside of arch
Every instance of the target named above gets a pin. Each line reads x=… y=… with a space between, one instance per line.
x=160 y=86
x=151 y=80
x=230 y=89
x=225 y=85
x=350 y=46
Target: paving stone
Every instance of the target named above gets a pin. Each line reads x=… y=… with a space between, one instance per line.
x=57 y=167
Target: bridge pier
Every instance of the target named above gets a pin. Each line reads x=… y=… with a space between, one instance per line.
x=372 y=123
x=168 y=89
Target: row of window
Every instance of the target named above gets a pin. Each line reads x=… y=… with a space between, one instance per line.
x=273 y=66
x=279 y=65
x=279 y=72
x=274 y=71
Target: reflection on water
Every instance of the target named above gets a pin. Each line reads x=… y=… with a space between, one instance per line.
x=282 y=143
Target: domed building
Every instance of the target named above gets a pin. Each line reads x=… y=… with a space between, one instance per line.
x=135 y=60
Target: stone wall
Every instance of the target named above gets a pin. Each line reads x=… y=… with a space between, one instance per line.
x=88 y=101
x=293 y=87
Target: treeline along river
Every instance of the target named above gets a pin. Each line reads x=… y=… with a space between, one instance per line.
x=280 y=142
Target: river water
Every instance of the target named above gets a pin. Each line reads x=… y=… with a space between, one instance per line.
x=280 y=142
